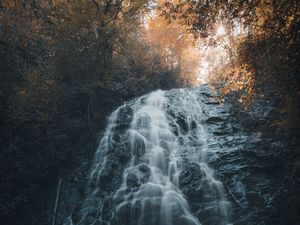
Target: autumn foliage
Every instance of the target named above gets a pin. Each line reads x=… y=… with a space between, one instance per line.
x=64 y=66
x=260 y=46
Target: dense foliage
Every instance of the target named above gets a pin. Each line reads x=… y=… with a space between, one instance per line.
x=64 y=66
x=263 y=56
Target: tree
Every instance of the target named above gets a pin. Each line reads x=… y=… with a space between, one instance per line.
x=64 y=66
x=263 y=56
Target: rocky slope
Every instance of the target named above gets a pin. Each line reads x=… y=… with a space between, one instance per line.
x=237 y=170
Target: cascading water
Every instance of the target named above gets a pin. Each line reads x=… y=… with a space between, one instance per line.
x=150 y=151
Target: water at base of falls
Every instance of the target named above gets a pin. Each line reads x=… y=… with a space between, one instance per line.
x=152 y=149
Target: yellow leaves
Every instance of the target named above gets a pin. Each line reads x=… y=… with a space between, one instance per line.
x=289 y=21
x=263 y=12
x=174 y=45
x=236 y=77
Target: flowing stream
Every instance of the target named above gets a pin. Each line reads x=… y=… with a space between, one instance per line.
x=152 y=148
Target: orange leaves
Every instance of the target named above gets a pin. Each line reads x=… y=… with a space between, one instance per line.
x=174 y=45
x=239 y=78
x=236 y=77
x=263 y=12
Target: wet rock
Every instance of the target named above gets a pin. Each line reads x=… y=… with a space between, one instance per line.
x=109 y=169
x=144 y=168
x=190 y=180
x=193 y=124
x=132 y=181
x=214 y=119
x=125 y=115
x=182 y=123
x=221 y=132
x=120 y=133
x=206 y=94
x=260 y=176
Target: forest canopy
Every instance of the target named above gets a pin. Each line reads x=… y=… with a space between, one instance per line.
x=255 y=45
x=64 y=66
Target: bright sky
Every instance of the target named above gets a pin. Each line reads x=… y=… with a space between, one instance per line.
x=217 y=56
x=220 y=30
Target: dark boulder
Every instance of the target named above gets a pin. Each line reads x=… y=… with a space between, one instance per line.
x=125 y=115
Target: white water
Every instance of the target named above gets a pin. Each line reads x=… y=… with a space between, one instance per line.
x=166 y=133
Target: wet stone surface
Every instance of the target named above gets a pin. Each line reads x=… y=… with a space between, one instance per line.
x=200 y=158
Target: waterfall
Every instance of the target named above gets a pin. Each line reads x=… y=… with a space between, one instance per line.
x=152 y=163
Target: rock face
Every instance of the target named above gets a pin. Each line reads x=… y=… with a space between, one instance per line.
x=182 y=158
